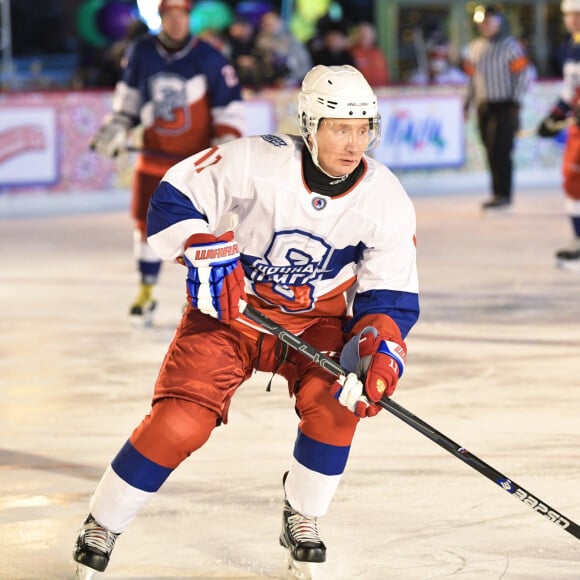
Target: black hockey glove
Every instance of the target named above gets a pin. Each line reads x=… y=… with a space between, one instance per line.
x=555 y=121
x=551 y=126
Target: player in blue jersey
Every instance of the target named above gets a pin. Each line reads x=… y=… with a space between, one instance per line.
x=185 y=96
x=566 y=113
x=321 y=238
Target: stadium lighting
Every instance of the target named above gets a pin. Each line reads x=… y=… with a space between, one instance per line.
x=149 y=14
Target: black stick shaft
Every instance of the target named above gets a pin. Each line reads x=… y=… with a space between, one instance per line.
x=424 y=428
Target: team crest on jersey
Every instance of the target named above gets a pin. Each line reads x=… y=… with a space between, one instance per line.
x=274 y=140
x=287 y=273
x=318 y=203
x=169 y=96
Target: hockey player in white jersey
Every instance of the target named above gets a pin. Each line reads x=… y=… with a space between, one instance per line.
x=321 y=238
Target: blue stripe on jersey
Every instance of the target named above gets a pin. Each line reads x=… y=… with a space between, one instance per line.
x=169 y=206
x=320 y=457
x=139 y=471
x=402 y=307
x=341 y=257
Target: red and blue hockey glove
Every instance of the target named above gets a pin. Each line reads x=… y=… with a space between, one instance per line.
x=215 y=278
x=377 y=363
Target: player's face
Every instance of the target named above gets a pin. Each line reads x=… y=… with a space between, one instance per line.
x=572 y=22
x=175 y=23
x=341 y=144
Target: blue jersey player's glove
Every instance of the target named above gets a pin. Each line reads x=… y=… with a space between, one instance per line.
x=374 y=365
x=111 y=139
x=215 y=278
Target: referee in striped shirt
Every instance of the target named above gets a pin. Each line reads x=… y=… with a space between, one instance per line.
x=498 y=69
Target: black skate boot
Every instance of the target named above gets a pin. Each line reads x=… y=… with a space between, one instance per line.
x=496 y=204
x=141 y=310
x=93 y=548
x=305 y=548
x=569 y=258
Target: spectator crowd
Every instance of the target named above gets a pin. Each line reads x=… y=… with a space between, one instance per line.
x=267 y=54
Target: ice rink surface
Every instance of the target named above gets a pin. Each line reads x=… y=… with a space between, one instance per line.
x=494 y=364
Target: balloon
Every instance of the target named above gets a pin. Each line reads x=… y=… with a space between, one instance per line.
x=302 y=29
x=335 y=11
x=115 y=18
x=86 y=21
x=312 y=10
x=210 y=14
x=252 y=11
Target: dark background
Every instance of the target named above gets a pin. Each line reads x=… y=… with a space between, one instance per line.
x=49 y=27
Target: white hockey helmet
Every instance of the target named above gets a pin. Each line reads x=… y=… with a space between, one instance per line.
x=336 y=92
x=570 y=6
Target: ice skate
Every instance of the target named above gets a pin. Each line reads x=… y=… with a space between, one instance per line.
x=306 y=551
x=141 y=311
x=569 y=258
x=497 y=205
x=92 y=549
x=83 y=572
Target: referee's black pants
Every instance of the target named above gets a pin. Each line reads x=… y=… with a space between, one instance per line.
x=498 y=124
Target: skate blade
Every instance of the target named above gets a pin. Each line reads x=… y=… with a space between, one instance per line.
x=141 y=321
x=499 y=211
x=569 y=265
x=84 y=573
x=296 y=570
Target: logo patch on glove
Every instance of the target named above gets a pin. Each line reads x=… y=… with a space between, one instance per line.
x=380 y=386
x=213 y=253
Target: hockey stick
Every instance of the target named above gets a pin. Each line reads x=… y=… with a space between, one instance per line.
x=418 y=424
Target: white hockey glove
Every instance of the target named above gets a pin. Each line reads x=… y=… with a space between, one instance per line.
x=111 y=138
x=348 y=391
x=378 y=362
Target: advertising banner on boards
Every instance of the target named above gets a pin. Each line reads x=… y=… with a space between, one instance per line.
x=422 y=132
x=28 y=146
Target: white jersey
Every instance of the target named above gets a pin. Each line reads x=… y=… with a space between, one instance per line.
x=304 y=254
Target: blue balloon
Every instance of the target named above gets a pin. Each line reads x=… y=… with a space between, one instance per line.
x=115 y=18
x=253 y=11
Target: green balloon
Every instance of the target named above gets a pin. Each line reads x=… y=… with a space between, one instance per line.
x=302 y=29
x=312 y=10
x=210 y=15
x=87 y=23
